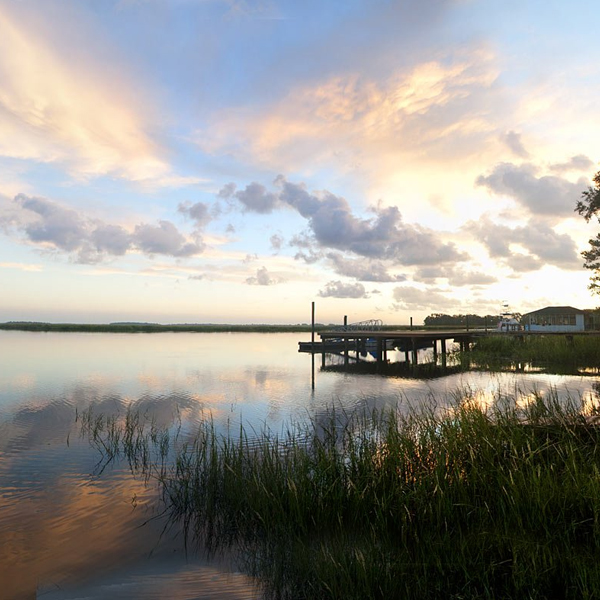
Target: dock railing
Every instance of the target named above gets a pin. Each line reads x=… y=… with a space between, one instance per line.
x=370 y=325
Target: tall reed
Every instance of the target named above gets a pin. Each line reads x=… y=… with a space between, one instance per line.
x=465 y=502
x=553 y=349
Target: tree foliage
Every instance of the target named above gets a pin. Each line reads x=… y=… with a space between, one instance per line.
x=589 y=207
x=443 y=320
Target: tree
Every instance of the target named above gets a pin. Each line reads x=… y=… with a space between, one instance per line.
x=588 y=207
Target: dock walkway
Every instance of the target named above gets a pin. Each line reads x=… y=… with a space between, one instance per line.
x=408 y=341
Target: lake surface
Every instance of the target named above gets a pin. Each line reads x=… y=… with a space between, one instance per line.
x=72 y=529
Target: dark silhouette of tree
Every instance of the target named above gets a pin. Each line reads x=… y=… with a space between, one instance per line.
x=443 y=320
x=589 y=207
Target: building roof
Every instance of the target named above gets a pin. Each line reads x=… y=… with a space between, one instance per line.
x=555 y=310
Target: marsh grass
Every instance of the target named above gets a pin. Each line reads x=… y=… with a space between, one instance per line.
x=462 y=502
x=551 y=349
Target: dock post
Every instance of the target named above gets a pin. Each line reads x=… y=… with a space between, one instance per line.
x=346 y=361
x=444 y=353
x=312 y=330
x=379 y=352
x=312 y=346
x=435 y=352
x=411 y=323
x=414 y=351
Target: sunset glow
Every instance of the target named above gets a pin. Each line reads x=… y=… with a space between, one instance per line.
x=192 y=161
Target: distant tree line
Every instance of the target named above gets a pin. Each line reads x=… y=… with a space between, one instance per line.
x=156 y=328
x=443 y=320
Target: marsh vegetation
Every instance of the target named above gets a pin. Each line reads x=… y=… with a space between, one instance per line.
x=461 y=499
x=554 y=350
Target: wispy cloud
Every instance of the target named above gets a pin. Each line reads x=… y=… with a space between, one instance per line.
x=52 y=110
x=263 y=277
x=437 y=107
x=21 y=266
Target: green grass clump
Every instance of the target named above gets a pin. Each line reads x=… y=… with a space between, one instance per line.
x=460 y=503
x=550 y=349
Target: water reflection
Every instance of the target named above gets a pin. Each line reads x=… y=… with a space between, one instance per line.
x=67 y=531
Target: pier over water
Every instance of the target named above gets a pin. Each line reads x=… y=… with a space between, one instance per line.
x=352 y=343
x=379 y=342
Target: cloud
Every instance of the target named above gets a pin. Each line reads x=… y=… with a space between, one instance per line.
x=227 y=191
x=276 y=242
x=56 y=109
x=21 y=266
x=385 y=237
x=198 y=212
x=337 y=289
x=256 y=198
x=362 y=270
x=60 y=226
x=310 y=257
x=438 y=108
x=575 y=163
x=545 y=245
x=332 y=225
x=456 y=276
x=263 y=277
x=112 y=239
x=163 y=238
x=412 y=298
x=90 y=240
x=547 y=195
x=512 y=139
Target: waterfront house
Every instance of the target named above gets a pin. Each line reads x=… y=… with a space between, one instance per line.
x=554 y=318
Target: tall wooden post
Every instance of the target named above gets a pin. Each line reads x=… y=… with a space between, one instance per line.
x=312 y=335
x=312 y=346
x=346 y=340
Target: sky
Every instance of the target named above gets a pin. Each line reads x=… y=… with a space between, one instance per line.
x=232 y=161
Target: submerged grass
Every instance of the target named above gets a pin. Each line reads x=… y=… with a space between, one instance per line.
x=460 y=503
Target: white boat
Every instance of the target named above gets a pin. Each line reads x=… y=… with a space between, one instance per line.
x=508 y=322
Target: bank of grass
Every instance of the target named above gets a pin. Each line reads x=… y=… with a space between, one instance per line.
x=460 y=503
x=176 y=327
x=156 y=327
x=578 y=350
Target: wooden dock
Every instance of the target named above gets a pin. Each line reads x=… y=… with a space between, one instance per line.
x=410 y=341
x=379 y=342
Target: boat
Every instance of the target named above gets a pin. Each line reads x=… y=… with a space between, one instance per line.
x=508 y=322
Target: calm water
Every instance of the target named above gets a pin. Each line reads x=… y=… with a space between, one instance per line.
x=69 y=530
